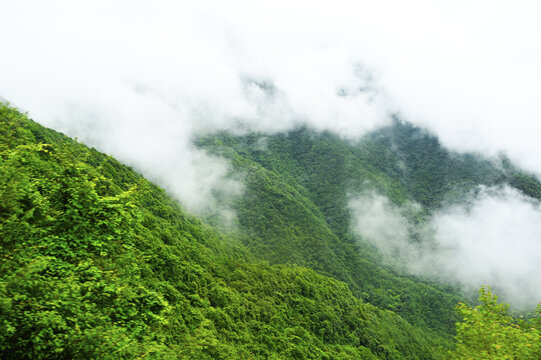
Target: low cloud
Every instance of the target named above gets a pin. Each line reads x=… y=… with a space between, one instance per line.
x=383 y=224
x=494 y=239
x=469 y=72
x=139 y=80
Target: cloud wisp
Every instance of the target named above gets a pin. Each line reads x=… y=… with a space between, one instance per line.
x=494 y=239
x=382 y=224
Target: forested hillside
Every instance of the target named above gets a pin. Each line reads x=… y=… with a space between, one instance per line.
x=295 y=209
x=96 y=262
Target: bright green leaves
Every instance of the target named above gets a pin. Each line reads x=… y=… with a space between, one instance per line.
x=12 y=131
x=64 y=231
x=488 y=332
x=51 y=200
x=91 y=269
x=53 y=310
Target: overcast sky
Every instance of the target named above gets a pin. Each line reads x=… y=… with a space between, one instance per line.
x=137 y=79
x=468 y=70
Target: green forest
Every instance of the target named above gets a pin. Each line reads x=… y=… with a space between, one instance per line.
x=96 y=262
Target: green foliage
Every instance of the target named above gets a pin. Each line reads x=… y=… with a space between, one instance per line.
x=97 y=263
x=63 y=236
x=488 y=332
x=295 y=210
x=527 y=183
x=430 y=174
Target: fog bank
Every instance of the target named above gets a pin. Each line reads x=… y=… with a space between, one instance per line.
x=493 y=239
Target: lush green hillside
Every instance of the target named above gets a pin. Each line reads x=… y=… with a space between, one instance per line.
x=96 y=262
x=295 y=209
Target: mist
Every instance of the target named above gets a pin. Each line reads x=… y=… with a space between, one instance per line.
x=468 y=72
x=492 y=239
x=141 y=79
x=495 y=241
x=384 y=225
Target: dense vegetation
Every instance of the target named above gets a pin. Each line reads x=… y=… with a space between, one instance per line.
x=488 y=332
x=96 y=262
x=296 y=205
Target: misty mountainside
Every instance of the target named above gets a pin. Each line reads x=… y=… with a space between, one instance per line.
x=297 y=207
x=98 y=263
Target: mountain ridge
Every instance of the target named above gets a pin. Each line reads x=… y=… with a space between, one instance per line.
x=100 y=263
x=405 y=163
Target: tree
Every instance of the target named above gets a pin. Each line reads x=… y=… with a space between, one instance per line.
x=488 y=332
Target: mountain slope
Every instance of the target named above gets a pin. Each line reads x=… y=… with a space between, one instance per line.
x=295 y=210
x=96 y=262
x=299 y=185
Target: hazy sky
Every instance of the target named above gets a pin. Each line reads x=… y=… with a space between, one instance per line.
x=468 y=70
x=138 y=78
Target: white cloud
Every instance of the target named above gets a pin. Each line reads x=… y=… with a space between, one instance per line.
x=494 y=240
x=382 y=224
x=469 y=71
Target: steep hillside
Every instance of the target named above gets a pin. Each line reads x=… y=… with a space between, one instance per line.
x=98 y=263
x=299 y=183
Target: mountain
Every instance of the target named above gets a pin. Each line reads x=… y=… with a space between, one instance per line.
x=97 y=262
x=299 y=183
